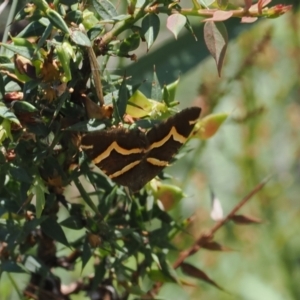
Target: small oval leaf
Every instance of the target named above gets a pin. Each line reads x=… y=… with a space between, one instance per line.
x=175 y=23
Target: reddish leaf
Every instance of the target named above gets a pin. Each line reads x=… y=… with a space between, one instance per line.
x=220 y=15
x=214 y=246
x=245 y=220
x=197 y=273
x=248 y=4
x=216 y=39
x=260 y=4
x=248 y=19
x=175 y=23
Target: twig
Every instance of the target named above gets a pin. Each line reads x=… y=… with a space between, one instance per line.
x=204 y=237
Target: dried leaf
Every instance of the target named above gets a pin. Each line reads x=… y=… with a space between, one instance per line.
x=214 y=246
x=197 y=273
x=245 y=220
x=216 y=39
x=94 y=111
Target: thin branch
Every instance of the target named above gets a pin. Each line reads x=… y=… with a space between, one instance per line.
x=204 y=237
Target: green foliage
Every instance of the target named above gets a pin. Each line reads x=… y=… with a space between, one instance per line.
x=51 y=91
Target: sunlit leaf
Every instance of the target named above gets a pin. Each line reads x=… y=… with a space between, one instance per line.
x=169 y=97
x=196 y=4
x=80 y=38
x=156 y=88
x=175 y=23
x=140 y=106
x=105 y=9
x=5 y=131
x=21 y=50
x=6 y=113
x=216 y=212
x=209 y=125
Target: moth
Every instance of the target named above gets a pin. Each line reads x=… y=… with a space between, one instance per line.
x=132 y=157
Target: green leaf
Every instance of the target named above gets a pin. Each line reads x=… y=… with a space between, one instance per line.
x=40 y=200
x=53 y=230
x=189 y=27
x=39 y=189
x=32 y=265
x=34 y=28
x=73 y=222
x=21 y=50
x=2 y=91
x=11 y=267
x=175 y=23
x=20 y=174
x=150 y=28
x=5 y=131
x=31 y=225
x=85 y=195
x=168 y=270
x=169 y=93
x=23 y=106
x=6 y=113
x=216 y=39
x=196 y=4
x=95 y=31
x=86 y=253
x=44 y=36
x=100 y=271
x=206 y=3
x=156 y=88
x=56 y=20
x=158 y=275
x=87 y=126
x=74 y=16
x=123 y=98
x=105 y=9
x=80 y=38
